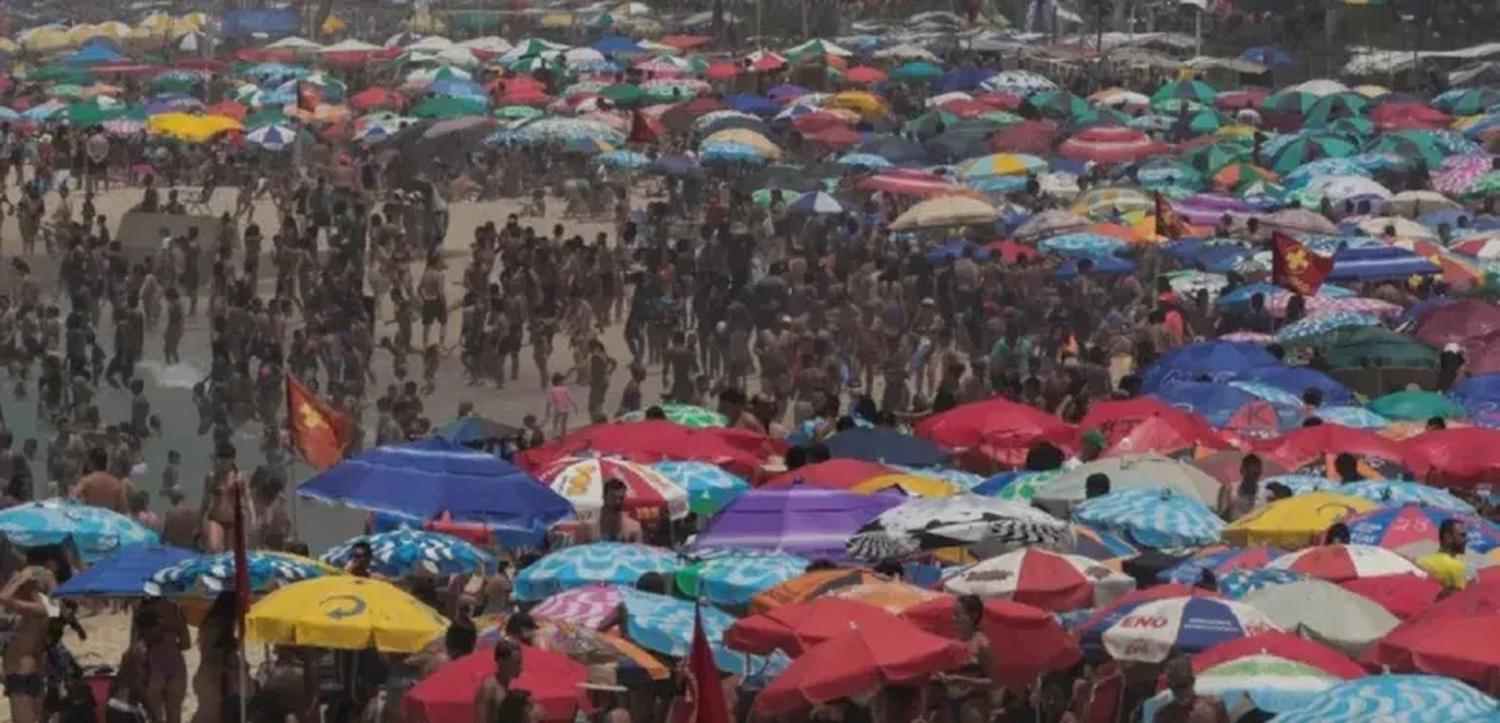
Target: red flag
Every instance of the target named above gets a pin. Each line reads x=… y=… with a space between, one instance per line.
x=319 y=432
x=703 y=697
x=1168 y=223
x=241 y=562
x=1296 y=268
x=309 y=96
x=643 y=129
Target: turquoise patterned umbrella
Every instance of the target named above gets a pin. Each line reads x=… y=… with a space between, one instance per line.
x=1398 y=492
x=1021 y=486
x=1408 y=698
x=709 y=486
x=1158 y=175
x=94 y=531
x=212 y=574
x=685 y=414
x=1155 y=518
x=665 y=625
x=1307 y=331
x=732 y=578
x=610 y=563
x=403 y=552
x=1236 y=585
x=965 y=480
x=1308 y=148
x=1082 y=243
x=623 y=159
x=1357 y=417
x=1336 y=106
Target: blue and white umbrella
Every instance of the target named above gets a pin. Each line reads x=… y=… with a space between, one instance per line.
x=1156 y=630
x=731 y=153
x=212 y=574
x=735 y=576
x=1018 y=82
x=1300 y=484
x=1350 y=416
x=709 y=486
x=820 y=203
x=1221 y=562
x=623 y=159
x=1299 y=177
x=1316 y=326
x=1392 y=493
x=1240 y=583
x=1154 y=518
x=868 y=160
x=608 y=563
x=274 y=138
x=1082 y=243
x=665 y=625
x=94 y=531
x=403 y=552
x=1405 y=698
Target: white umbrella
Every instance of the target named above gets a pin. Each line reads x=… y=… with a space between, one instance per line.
x=350 y=46
x=1322 y=611
x=294 y=43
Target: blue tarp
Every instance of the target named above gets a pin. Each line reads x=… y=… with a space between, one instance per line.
x=274 y=23
x=885 y=446
x=1217 y=403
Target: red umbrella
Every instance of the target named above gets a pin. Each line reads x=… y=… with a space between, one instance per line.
x=1240 y=100
x=1405 y=596
x=1147 y=424
x=1034 y=137
x=796 y=628
x=817 y=121
x=838 y=137
x=1011 y=251
x=722 y=71
x=1109 y=614
x=681 y=116
x=501 y=86
x=1001 y=101
x=1459 y=456
x=838 y=474
x=905 y=182
x=1409 y=116
x=737 y=450
x=1111 y=145
x=447 y=696
x=1314 y=449
x=860 y=661
x=1454 y=637
x=375 y=97
x=227 y=109
x=686 y=42
x=966 y=107
x=1458 y=322
x=1033 y=641
x=865 y=75
x=998 y=428
x=1281 y=645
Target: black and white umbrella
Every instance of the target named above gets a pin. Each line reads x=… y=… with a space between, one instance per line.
x=959 y=521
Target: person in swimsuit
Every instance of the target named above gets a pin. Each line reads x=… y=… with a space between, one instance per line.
x=493 y=697
x=969 y=689
x=24 y=659
x=127 y=692
x=217 y=682
x=166 y=679
x=219 y=494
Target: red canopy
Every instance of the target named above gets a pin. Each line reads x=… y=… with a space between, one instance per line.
x=817 y=121
x=740 y=451
x=839 y=137
x=501 y=86
x=525 y=96
x=1460 y=456
x=1033 y=641
x=860 y=661
x=796 y=628
x=1000 y=429
x=1147 y=424
x=1001 y=101
x=906 y=182
x=375 y=97
x=722 y=71
x=1409 y=116
x=686 y=42
x=1034 y=137
x=1454 y=637
x=1405 y=596
x=840 y=474
x=227 y=109
x=966 y=108
x=1240 y=100
x=447 y=696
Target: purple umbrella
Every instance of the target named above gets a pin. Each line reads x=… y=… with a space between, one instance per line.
x=1207 y=209
x=802 y=520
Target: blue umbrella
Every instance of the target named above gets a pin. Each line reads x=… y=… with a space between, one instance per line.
x=709 y=486
x=753 y=104
x=1300 y=484
x=1298 y=380
x=1385 y=263
x=734 y=577
x=1400 y=492
x=1082 y=243
x=963 y=78
x=124 y=574
x=884 y=445
x=1315 y=326
x=868 y=160
x=1240 y=583
x=1101 y=265
x=677 y=166
x=403 y=552
x=1410 y=698
x=1217 y=403
x=821 y=203
x=1216 y=360
x=429 y=478
x=474 y=429
x=623 y=159
x=94 y=531
x=1289 y=407
x=94 y=55
x=1154 y=518
x=665 y=625
x=609 y=563
x=272 y=137
x=731 y=153
x=1269 y=56
x=616 y=45
x=1350 y=416
x=212 y=574
x=1220 y=563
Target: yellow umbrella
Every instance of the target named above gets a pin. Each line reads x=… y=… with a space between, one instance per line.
x=79 y=33
x=333 y=25
x=558 y=21
x=191 y=128
x=914 y=485
x=1371 y=91
x=199 y=20
x=9 y=46
x=947 y=211
x=868 y=105
x=747 y=137
x=181 y=27
x=46 y=40
x=1295 y=522
x=345 y=613
x=157 y=22
x=1113 y=201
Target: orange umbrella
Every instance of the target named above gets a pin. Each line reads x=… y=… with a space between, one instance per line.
x=865 y=75
x=686 y=42
x=809 y=586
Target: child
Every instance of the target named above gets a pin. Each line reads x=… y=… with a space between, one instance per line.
x=533 y=436
x=559 y=405
x=172 y=473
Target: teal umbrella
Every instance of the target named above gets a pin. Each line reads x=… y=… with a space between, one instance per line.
x=1417 y=406
x=623 y=95
x=1356 y=128
x=448 y=108
x=1289 y=102
x=1337 y=106
x=1210 y=158
x=1193 y=91
x=917 y=71
x=1061 y=104
x=1468 y=101
x=1311 y=147
x=1375 y=348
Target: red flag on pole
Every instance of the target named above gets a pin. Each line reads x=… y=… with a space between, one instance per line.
x=1295 y=268
x=703 y=697
x=1168 y=223
x=319 y=432
x=643 y=129
x=309 y=96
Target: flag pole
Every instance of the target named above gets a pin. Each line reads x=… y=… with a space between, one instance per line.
x=242 y=595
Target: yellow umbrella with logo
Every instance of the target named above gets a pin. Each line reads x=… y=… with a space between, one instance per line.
x=1294 y=522
x=345 y=613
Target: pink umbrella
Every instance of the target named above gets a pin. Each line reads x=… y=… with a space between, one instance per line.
x=587 y=607
x=1111 y=145
x=1458 y=173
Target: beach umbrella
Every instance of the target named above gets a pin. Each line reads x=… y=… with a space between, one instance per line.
x=122 y=574
x=800 y=519
x=886 y=447
x=1310 y=148
x=1308 y=331
x=1220 y=561
x=600 y=562
x=1016 y=486
x=1219 y=361
x=1445 y=638
x=434 y=477
x=581 y=480
x=94 y=531
x=736 y=450
x=1086 y=244
x=344 y=613
x=1401 y=492
x=665 y=625
x=819 y=203
x=1110 y=145
x=1463 y=456
x=1357 y=417
x=1375 y=347
x=838 y=473
x=1018 y=82
x=859 y=662
x=997 y=429
x=402 y=552
x=853 y=584
x=1157 y=629
x=1000 y=164
x=1336 y=106
x=1312 y=450
x=797 y=628
x=916 y=71
x=1235 y=585
x=1412 y=529
x=211 y=574
x=1296 y=522
x=273 y=138
x=1340 y=563
x=731 y=579
x=1138 y=472
x=1195 y=91
x=554 y=683
x=946 y=211
x=1324 y=612
x=1271 y=672
x=1153 y=518
x=1467 y=101
x=591 y=606
x=1417 y=406
x=958 y=521
x=1060 y=105
x=1415 y=698
x=1047 y=580
x=686 y=415
x=709 y=487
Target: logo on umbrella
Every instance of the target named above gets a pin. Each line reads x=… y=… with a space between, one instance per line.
x=340 y=607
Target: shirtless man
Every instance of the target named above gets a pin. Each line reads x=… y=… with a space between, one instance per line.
x=100 y=488
x=612 y=524
x=492 y=695
x=25 y=658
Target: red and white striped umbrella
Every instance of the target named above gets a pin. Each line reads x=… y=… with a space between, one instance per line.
x=1047 y=580
x=648 y=493
x=1341 y=563
x=1483 y=246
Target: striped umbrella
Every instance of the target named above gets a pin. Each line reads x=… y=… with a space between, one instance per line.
x=937 y=522
x=1268 y=682
x=402 y=552
x=665 y=625
x=687 y=415
x=1338 y=563
x=1412 y=698
x=598 y=563
x=1221 y=562
x=1239 y=583
x=1401 y=492
x=734 y=577
x=590 y=606
x=212 y=574
x=1156 y=630
x=1413 y=529
x=1047 y=580
x=1155 y=518
x=648 y=493
x=273 y=137
x=709 y=486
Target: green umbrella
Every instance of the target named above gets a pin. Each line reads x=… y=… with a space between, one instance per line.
x=763 y=197
x=266 y=117
x=518 y=112
x=917 y=71
x=623 y=95
x=670 y=93
x=1356 y=128
x=1375 y=348
x=1061 y=104
x=59 y=74
x=1412 y=145
x=1416 y=406
x=448 y=108
x=1210 y=158
x=930 y=124
x=1309 y=148
x=174 y=83
x=87 y=114
x=1026 y=485
x=1289 y=102
x=1207 y=121
x=1337 y=106
x=1469 y=101
x=686 y=414
x=1489 y=185
x=1194 y=91
x=1002 y=117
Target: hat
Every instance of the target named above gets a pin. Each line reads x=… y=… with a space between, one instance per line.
x=1452 y=347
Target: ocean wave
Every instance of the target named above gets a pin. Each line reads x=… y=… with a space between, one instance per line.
x=182 y=375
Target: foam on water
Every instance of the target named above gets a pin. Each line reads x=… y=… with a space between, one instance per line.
x=182 y=375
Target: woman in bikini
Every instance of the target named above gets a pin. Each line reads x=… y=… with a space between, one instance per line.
x=167 y=679
x=221 y=488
